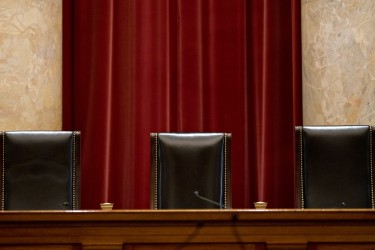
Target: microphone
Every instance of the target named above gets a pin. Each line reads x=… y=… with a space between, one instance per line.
x=63 y=205
x=196 y=193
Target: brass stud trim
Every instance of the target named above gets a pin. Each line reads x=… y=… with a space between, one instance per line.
x=156 y=172
x=301 y=167
x=225 y=170
x=3 y=174
x=371 y=171
x=74 y=171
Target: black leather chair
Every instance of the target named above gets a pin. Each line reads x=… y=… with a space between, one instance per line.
x=334 y=167
x=40 y=170
x=190 y=170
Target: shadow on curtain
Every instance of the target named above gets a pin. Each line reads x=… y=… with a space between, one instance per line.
x=132 y=67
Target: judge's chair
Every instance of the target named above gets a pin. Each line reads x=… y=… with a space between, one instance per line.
x=190 y=170
x=334 y=167
x=40 y=170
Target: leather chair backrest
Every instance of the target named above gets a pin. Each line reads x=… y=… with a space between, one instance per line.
x=184 y=165
x=40 y=170
x=334 y=167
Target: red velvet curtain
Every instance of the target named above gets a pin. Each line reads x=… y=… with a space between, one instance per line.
x=131 y=67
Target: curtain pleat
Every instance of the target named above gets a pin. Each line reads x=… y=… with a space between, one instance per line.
x=271 y=70
x=133 y=67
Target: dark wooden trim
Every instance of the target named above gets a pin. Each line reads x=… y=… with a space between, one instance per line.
x=170 y=229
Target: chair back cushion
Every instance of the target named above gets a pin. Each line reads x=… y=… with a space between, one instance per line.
x=334 y=167
x=40 y=170
x=185 y=164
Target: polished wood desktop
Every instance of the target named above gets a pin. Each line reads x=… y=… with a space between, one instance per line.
x=327 y=229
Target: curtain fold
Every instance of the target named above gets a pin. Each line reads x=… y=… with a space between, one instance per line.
x=132 y=67
x=274 y=60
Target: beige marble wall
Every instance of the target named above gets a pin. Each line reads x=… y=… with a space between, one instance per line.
x=30 y=64
x=338 y=55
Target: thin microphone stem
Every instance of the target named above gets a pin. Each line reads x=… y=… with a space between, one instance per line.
x=196 y=193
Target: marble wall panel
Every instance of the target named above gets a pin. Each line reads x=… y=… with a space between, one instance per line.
x=30 y=64
x=338 y=56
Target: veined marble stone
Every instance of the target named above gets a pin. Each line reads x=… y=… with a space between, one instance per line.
x=338 y=61
x=30 y=64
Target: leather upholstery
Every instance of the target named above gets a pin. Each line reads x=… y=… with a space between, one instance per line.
x=334 y=167
x=185 y=163
x=40 y=170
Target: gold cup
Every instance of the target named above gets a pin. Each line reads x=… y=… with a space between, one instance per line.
x=260 y=205
x=106 y=206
